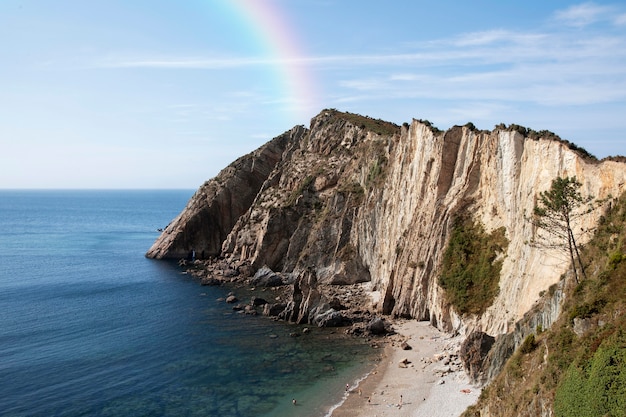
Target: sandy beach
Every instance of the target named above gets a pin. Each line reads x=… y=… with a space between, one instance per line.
x=426 y=380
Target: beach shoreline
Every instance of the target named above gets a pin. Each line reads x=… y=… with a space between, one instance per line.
x=425 y=380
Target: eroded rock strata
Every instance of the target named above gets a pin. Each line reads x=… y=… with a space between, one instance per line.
x=354 y=215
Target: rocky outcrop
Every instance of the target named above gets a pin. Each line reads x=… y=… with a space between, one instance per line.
x=541 y=316
x=356 y=200
x=214 y=209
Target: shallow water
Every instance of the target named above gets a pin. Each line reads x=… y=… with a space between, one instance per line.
x=89 y=326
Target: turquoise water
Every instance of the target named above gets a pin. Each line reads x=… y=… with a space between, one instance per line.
x=90 y=327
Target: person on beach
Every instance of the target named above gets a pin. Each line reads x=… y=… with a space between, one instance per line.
x=347 y=387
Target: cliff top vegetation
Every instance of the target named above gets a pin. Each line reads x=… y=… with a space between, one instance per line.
x=546 y=134
x=377 y=126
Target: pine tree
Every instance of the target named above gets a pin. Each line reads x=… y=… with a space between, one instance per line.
x=556 y=211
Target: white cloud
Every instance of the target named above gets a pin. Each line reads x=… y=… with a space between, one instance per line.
x=499 y=36
x=584 y=14
x=546 y=67
x=364 y=84
x=620 y=19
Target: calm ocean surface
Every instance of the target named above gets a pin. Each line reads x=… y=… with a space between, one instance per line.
x=90 y=327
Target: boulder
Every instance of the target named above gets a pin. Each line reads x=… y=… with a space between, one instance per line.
x=229 y=273
x=582 y=326
x=211 y=281
x=473 y=353
x=273 y=310
x=329 y=318
x=265 y=277
x=377 y=326
x=258 y=301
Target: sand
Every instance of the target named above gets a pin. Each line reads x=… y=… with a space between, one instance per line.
x=432 y=384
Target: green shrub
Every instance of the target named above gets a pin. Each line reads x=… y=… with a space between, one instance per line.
x=615 y=258
x=529 y=344
x=596 y=387
x=569 y=399
x=587 y=310
x=471 y=273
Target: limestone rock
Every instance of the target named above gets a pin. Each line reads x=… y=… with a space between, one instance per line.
x=328 y=318
x=219 y=203
x=265 y=277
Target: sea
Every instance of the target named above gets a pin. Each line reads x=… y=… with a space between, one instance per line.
x=90 y=327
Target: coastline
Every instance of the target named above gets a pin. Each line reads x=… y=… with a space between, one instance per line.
x=431 y=381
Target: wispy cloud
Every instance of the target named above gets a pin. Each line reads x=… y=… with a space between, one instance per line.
x=552 y=68
x=620 y=19
x=493 y=37
x=549 y=67
x=584 y=14
x=182 y=62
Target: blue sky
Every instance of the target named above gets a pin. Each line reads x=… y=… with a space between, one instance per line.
x=164 y=94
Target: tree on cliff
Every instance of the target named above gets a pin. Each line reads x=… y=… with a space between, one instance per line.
x=555 y=212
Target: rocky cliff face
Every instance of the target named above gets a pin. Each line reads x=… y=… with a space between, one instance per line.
x=219 y=203
x=356 y=200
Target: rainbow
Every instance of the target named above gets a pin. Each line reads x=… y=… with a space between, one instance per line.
x=277 y=40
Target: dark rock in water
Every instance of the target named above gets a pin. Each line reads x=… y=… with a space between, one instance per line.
x=211 y=281
x=265 y=277
x=249 y=310
x=377 y=326
x=231 y=299
x=356 y=329
x=273 y=310
x=258 y=301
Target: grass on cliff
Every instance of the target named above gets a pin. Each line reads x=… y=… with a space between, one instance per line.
x=574 y=374
x=377 y=126
x=546 y=134
x=471 y=268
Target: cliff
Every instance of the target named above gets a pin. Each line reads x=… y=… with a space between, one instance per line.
x=577 y=367
x=357 y=200
x=219 y=203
